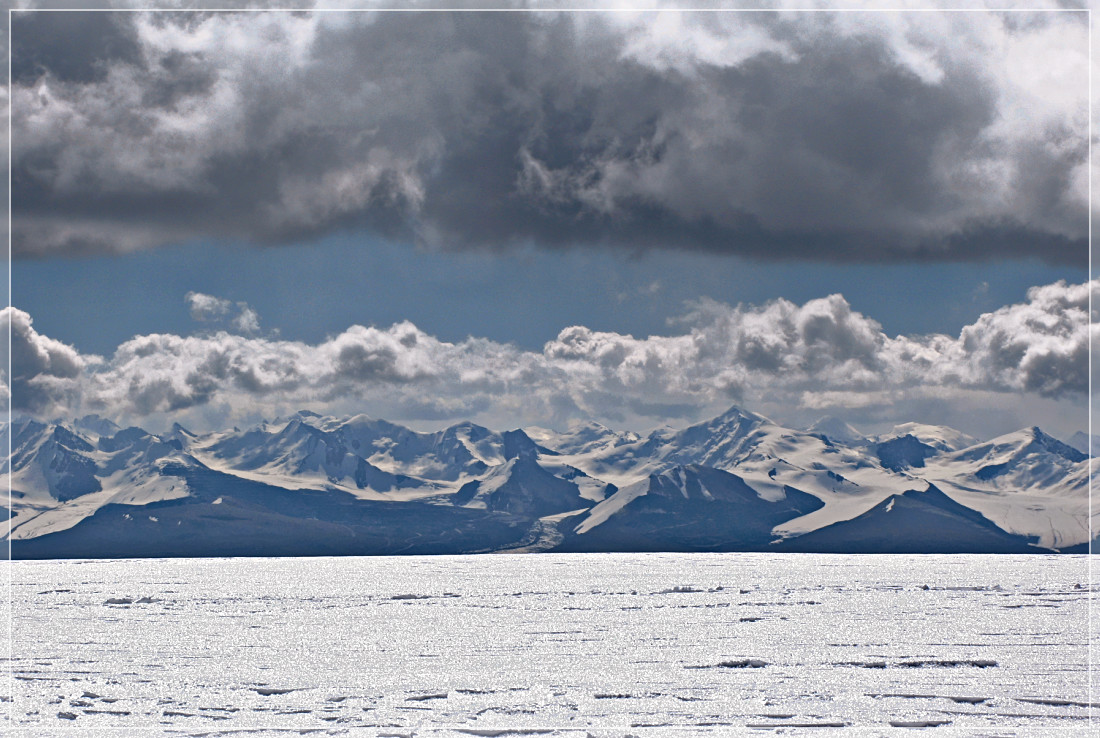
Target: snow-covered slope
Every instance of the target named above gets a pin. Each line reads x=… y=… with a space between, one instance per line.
x=1027 y=482
x=522 y=487
x=692 y=508
x=52 y=462
x=916 y=521
x=1026 y=459
x=60 y=476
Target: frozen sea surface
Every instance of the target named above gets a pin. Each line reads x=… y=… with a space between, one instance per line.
x=586 y=644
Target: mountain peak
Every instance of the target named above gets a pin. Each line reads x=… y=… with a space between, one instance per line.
x=735 y=413
x=836 y=429
x=1053 y=445
x=97 y=424
x=69 y=439
x=904 y=452
x=518 y=444
x=179 y=430
x=940 y=437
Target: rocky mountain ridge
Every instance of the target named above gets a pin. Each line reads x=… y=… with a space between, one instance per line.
x=358 y=485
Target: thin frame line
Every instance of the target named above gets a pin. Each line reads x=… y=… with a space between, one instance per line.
x=1088 y=337
x=551 y=10
x=1087 y=11
x=11 y=402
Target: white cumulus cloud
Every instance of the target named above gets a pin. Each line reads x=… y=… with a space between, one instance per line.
x=820 y=355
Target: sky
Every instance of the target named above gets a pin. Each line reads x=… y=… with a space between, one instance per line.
x=637 y=218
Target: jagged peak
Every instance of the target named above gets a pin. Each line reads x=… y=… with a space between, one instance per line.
x=1031 y=439
x=739 y=415
x=1053 y=445
x=97 y=424
x=178 y=429
x=299 y=426
x=68 y=437
x=517 y=444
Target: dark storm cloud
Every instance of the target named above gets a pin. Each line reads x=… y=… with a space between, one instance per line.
x=71 y=47
x=848 y=136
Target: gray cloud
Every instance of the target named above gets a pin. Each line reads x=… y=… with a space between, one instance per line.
x=72 y=46
x=818 y=356
x=45 y=374
x=872 y=137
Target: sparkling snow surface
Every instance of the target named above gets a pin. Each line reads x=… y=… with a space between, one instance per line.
x=600 y=644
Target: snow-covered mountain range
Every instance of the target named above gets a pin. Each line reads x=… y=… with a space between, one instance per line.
x=316 y=485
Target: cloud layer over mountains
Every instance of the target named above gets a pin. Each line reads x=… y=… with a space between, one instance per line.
x=821 y=355
x=832 y=136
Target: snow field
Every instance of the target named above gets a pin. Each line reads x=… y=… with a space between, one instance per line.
x=606 y=644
